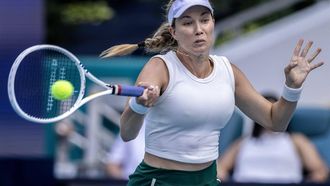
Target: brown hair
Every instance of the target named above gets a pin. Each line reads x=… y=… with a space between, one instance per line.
x=162 y=41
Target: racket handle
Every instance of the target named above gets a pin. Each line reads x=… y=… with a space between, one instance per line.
x=127 y=90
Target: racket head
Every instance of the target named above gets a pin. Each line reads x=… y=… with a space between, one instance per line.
x=31 y=77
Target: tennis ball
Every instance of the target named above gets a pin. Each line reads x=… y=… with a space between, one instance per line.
x=62 y=89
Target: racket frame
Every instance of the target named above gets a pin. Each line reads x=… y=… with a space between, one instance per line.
x=111 y=89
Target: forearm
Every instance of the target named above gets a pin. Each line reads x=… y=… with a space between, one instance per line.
x=273 y=116
x=281 y=114
x=130 y=124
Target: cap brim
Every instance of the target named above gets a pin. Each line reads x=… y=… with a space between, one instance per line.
x=183 y=9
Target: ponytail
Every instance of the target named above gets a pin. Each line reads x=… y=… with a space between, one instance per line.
x=121 y=50
x=161 y=42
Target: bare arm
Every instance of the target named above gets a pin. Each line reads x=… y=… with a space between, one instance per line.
x=275 y=116
x=316 y=167
x=154 y=77
x=226 y=163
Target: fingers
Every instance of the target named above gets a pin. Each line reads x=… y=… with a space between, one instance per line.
x=153 y=94
x=297 y=50
x=306 y=49
x=144 y=84
x=316 y=53
x=150 y=95
x=298 y=54
x=314 y=66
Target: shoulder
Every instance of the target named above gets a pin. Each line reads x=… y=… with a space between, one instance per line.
x=155 y=64
x=223 y=63
x=160 y=60
x=156 y=61
x=226 y=61
x=155 y=71
x=220 y=59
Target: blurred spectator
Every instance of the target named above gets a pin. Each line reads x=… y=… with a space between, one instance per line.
x=124 y=157
x=64 y=167
x=272 y=157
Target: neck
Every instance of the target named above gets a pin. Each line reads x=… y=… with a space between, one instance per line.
x=200 y=66
x=196 y=58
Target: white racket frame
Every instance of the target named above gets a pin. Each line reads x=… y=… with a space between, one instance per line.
x=79 y=102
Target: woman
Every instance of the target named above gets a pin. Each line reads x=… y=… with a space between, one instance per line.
x=190 y=95
x=272 y=157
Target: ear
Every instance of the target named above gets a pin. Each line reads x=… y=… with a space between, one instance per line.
x=172 y=31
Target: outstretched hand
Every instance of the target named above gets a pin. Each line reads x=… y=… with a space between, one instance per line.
x=301 y=64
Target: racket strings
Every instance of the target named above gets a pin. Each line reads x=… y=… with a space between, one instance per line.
x=37 y=72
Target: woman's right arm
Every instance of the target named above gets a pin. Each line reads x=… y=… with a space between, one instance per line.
x=154 y=78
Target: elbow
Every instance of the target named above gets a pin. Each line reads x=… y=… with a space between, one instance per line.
x=124 y=132
x=278 y=128
x=129 y=128
x=125 y=137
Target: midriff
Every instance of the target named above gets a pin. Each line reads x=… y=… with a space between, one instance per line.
x=163 y=163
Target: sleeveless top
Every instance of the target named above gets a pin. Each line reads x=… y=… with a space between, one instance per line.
x=184 y=124
x=270 y=159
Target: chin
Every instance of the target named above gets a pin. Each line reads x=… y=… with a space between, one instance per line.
x=201 y=52
x=202 y=49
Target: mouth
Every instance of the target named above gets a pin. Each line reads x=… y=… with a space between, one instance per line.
x=200 y=41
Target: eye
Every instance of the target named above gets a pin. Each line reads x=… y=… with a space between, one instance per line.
x=187 y=23
x=205 y=20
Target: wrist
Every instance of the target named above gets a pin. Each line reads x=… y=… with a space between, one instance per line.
x=293 y=85
x=291 y=94
x=137 y=108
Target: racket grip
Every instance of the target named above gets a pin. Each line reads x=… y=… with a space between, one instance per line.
x=127 y=90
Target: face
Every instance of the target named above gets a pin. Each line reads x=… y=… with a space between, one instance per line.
x=194 y=30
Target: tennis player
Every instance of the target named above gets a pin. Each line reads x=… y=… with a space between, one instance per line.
x=190 y=95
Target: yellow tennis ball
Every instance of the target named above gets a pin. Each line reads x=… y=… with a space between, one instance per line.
x=62 y=89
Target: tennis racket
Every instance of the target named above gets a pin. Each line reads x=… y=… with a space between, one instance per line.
x=34 y=72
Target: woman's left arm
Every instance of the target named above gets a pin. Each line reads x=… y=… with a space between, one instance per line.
x=276 y=116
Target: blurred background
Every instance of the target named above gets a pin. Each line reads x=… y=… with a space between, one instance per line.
x=256 y=35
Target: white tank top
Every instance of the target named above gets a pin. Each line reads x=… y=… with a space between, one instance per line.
x=184 y=125
x=271 y=159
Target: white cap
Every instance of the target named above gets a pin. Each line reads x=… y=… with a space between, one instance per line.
x=179 y=6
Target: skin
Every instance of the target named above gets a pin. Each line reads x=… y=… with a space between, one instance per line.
x=114 y=170
x=310 y=159
x=194 y=31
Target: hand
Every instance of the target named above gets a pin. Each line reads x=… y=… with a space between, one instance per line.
x=149 y=96
x=300 y=65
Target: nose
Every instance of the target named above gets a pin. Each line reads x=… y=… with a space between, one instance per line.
x=199 y=29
